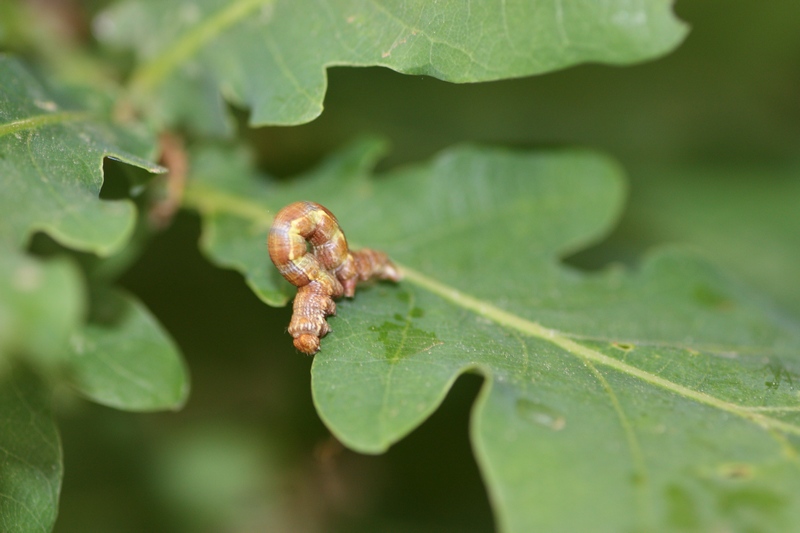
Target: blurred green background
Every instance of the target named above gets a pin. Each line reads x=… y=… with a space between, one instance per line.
x=709 y=136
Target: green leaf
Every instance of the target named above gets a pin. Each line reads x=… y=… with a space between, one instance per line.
x=272 y=54
x=125 y=360
x=752 y=223
x=51 y=156
x=30 y=454
x=663 y=398
x=41 y=303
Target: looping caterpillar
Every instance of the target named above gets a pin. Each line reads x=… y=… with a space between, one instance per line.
x=310 y=250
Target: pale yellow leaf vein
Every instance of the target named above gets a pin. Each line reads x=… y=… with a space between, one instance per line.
x=280 y=62
x=534 y=329
x=643 y=488
x=152 y=73
x=776 y=408
x=428 y=35
x=38 y=121
x=211 y=201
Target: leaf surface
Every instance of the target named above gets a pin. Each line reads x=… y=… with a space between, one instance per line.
x=41 y=303
x=272 y=54
x=662 y=398
x=123 y=358
x=30 y=454
x=51 y=155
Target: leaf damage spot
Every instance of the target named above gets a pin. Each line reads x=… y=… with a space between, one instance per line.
x=47 y=105
x=399 y=42
x=27 y=278
x=778 y=374
x=402 y=338
x=540 y=414
x=624 y=346
x=736 y=471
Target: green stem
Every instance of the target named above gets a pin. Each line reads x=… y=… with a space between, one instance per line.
x=208 y=201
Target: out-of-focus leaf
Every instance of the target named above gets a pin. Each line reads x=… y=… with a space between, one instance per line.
x=663 y=398
x=51 y=157
x=50 y=178
x=272 y=54
x=41 y=303
x=747 y=217
x=30 y=454
x=220 y=476
x=124 y=359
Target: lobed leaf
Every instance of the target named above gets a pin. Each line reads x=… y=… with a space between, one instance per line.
x=51 y=155
x=272 y=54
x=658 y=399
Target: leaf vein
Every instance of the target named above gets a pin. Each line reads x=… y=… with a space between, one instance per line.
x=534 y=329
x=34 y=122
x=643 y=487
x=152 y=73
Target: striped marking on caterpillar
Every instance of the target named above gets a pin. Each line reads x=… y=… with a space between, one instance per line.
x=310 y=250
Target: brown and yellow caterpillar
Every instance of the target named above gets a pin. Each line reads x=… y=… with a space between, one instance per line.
x=310 y=250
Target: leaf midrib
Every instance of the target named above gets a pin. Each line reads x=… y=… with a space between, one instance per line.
x=209 y=201
x=534 y=329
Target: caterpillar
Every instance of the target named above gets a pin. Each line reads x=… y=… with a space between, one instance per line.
x=310 y=250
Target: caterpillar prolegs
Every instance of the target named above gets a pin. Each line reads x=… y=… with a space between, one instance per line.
x=310 y=250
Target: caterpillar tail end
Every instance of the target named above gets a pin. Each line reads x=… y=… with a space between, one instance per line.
x=391 y=272
x=306 y=343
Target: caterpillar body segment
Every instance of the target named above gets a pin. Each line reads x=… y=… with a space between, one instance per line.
x=310 y=250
